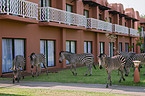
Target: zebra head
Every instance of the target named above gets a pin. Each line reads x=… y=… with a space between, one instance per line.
x=61 y=56
x=32 y=59
x=101 y=60
x=127 y=66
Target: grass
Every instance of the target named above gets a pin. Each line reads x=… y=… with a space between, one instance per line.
x=49 y=92
x=98 y=77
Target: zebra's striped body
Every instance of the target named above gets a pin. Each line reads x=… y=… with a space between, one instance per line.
x=129 y=63
x=84 y=58
x=18 y=63
x=36 y=60
x=112 y=63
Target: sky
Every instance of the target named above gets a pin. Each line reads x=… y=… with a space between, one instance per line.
x=138 y=5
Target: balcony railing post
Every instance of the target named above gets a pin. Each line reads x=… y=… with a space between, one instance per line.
x=48 y=15
x=8 y=6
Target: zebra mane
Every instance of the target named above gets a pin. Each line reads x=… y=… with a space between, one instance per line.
x=102 y=54
x=65 y=52
x=32 y=55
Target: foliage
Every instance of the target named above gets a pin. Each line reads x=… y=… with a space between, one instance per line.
x=139 y=40
x=142 y=16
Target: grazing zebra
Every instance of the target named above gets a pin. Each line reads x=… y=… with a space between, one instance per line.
x=127 y=56
x=18 y=63
x=112 y=63
x=36 y=60
x=84 y=58
x=129 y=63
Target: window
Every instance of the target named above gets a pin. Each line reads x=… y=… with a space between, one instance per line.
x=86 y=13
x=100 y=17
x=88 y=47
x=45 y=3
x=47 y=47
x=11 y=48
x=102 y=48
x=126 y=47
x=110 y=19
x=70 y=47
x=120 y=47
x=111 y=51
x=133 y=47
x=142 y=32
x=68 y=8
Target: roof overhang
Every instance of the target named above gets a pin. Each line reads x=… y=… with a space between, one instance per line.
x=93 y=3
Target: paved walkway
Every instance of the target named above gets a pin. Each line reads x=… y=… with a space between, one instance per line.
x=77 y=86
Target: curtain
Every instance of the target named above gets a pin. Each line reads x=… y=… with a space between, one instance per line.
x=85 y=47
x=73 y=47
x=7 y=57
x=67 y=49
x=89 y=47
x=50 y=53
x=42 y=49
x=101 y=47
x=19 y=47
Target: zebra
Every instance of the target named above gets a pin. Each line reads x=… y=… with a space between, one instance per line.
x=129 y=63
x=18 y=63
x=84 y=58
x=112 y=63
x=127 y=56
x=36 y=60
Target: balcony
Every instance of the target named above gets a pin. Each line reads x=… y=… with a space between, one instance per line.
x=48 y=14
x=19 y=8
x=120 y=29
x=133 y=32
x=99 y=24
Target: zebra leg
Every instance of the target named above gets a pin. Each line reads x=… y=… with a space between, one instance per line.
x=87 y=70
x=109 y=77
x=75 y=69
x=44 y=64
x=39 y=70
x=32 y=70
x=91 y=70
x=72 y=69
x=23 y=72
x=36 y=71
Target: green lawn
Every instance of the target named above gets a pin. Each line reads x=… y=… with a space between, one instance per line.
x=98 y=77
x=47 y=92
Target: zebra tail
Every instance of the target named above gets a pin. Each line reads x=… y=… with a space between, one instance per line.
x=94 y=66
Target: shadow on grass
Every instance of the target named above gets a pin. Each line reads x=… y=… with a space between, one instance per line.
x=3 y=94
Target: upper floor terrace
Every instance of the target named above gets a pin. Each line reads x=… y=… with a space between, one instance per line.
x=20 y=8
x=30 y=11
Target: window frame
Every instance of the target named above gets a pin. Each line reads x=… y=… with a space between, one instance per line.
x=70 y=45
x=46 y=51
x=87 y=46
x=103 y=47
x=13 y=49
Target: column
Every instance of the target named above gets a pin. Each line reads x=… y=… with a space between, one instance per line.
x=63 y=44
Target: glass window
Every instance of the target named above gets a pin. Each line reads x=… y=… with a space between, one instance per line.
x=100 y=17
x=45 y=3
x=70 y=47
x=11 y=48
x=133 y=47
x=111 y=45
x=68 y=8
x=102 y=48
x=120 y=47
x=110 y=19
x=86 y=13
x=47 y=47
x=87 y=46
x=126 y=47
